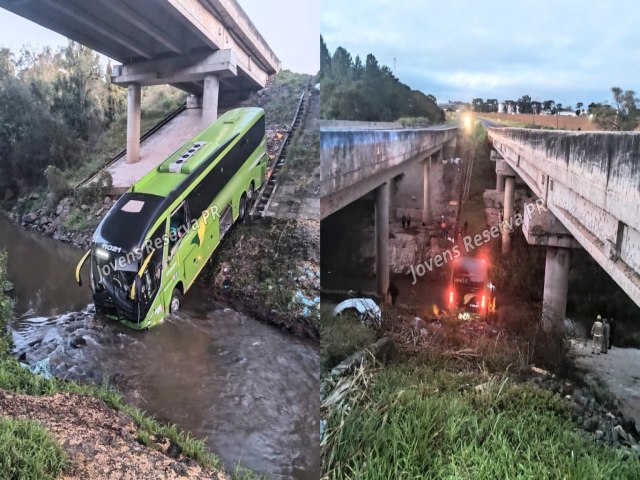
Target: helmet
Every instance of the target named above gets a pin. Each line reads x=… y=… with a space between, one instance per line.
x=599 y=317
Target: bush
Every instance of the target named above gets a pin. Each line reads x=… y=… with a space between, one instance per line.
x=57 y=185
x=95 y=192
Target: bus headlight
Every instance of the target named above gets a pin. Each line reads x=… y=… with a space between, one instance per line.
x=101 y=253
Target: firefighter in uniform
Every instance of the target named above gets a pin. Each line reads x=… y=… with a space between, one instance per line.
x=605 y=335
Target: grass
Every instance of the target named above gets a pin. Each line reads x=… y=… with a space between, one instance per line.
x=15 y=379
x=340 y=337
x=282 y=98
x=420 y=421
x=27 y=451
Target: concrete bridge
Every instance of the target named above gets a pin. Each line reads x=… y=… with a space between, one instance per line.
x=359 y=157
x=209 y=48
x=590 y=183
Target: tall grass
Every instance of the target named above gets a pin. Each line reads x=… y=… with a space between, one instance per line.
x=423 y=422
x=28 y=452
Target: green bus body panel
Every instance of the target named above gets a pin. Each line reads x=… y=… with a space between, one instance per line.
x=191 y=254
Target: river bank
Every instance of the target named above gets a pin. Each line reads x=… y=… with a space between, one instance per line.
x=204 y=369
x=124 y=441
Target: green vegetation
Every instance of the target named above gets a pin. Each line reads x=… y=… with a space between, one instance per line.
x=60 y=108
x=417 y=420
x=280 y=99
x=624 y=114
x=353 y=90
x=265 y=265
x=15 y=379
x=340 y=337
x=457 y=404
x=27 y=451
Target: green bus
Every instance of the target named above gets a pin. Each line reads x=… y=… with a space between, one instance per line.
x=155 y=240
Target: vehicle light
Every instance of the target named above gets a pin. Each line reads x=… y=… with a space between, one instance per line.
x=483 y=302
x=451 y=297
x=102 y=253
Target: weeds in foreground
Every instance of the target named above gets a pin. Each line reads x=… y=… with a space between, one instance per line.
x=27 y=451
x=415 y=420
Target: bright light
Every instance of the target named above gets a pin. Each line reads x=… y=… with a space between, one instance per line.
x=102 y=253
x=451 y=297
x=483 y=302
x=467 y=121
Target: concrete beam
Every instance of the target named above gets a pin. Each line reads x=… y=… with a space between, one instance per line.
x=503 y=168
x=133 y=123
x=556 y=287
x=210 y=100
x=141 y=22
x=190 y=68
x=509 y=199
x=590 y=181
x=214 y=33
x=426 y=203
x=96 y=25
x=355 y=162
x=245 y=32
x=382 y=240
x=543 y=228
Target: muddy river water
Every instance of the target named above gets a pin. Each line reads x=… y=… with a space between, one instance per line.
x=248 y=388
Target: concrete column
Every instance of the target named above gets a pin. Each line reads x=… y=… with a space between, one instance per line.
x=210 y=100
x=509 y=197
x=382 y=240
x=426 y=204
x=556 y=286
x=500 y=182
x=133 y=123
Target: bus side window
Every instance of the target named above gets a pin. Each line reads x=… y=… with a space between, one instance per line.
x=178 y=226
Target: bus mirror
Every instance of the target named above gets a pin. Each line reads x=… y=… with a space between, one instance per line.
x=79 y=267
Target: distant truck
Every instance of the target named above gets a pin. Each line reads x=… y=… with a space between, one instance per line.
x=471 y=292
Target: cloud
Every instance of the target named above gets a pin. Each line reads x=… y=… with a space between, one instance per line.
x=566 y=50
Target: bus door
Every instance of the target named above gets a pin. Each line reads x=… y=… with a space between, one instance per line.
x=186 y=242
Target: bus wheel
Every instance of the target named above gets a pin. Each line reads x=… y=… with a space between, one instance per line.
x=242 y=209
x=250 y=192
x=176 y=301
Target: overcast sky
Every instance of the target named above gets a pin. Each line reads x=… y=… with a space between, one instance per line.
x=291 y=27
x=564 y=50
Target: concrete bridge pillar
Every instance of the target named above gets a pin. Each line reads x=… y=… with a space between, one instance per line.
x=133 y=123
x=509 y=200
x=556 y=286
x=382 y=240
x=500 y=182
x=210 y=100
x=426 y=204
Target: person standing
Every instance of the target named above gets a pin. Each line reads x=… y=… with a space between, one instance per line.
x=393 y=292
x=408 y=221
x=612 y=330
x=605 y=335
x=404 y=221
x=596 y=333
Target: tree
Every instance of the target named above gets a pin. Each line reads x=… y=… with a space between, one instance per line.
x=477 y=105
x=325 y=59
x=624 y=115
x=536 y=107
x=79 y=91
x=491 y=105
x=548 y=105
x=524 y=104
